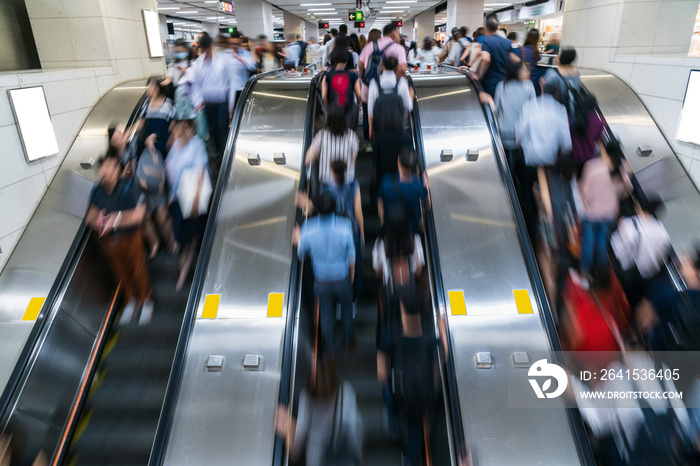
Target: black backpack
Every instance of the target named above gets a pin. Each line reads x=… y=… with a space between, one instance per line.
x=579 y=102
x=374 y=66
x=388 y=101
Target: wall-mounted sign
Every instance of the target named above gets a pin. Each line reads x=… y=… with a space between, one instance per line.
x=34 y=122
x=356 y=16
x=690 y=114
x=226 y=7
x=543 y=9
x=359 y=24
x=324 y=25
x=152 y=25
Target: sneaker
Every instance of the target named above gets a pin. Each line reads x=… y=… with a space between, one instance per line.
x=146 y=312
x=128 y=312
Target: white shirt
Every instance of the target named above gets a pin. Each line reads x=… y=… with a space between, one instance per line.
x=330 y=148
x=429 y=57
x=641 y=241
x=213 y=80
x=327 y=49
x=242 y=70
x=387 y=80
x=543 y=131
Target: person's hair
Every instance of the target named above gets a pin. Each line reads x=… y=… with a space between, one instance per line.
x=236 y=35
x=324 y=203
x=110 y=133
x=157 y=80
x=374 y=35
x=182 y=43
x=334 y=32
x=298 y=36
x=390 y=63
x=205 y=40
x=480 y=31
x=531 y=39
x=654 y=206
x=363 y=41
x=355 y=43
x=111 y=155
x=408 y=158
x=554 y=89
x=343 y=29
x=338 y=167
x=463 y=31
x=567 y=55
x=398 y=239
x=323 y=381
x=312 y=40
x=222 y=38
x=512 y=36
x=454 y=32
x=427 y=43
x=340 y=52
x=336 y=121
x=413 y=46
x=262 y=37
x=189 y=124
x=327 y=38
x=514 y=71
x=491 y=23
x=389 y=29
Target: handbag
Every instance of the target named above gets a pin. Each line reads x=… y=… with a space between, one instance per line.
x=194 y=192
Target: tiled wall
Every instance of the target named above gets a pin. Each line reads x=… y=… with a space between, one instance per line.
x=645 y=43
x=86 y=48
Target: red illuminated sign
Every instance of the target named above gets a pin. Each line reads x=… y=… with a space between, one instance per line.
x=226 y=7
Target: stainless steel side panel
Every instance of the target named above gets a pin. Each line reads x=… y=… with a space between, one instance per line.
x=32 y=268
x=480 y=254
x=227 y=416
x=630 y=121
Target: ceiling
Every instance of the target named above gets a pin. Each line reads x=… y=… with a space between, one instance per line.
x=187 y=14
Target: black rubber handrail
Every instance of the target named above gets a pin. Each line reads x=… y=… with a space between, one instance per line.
x=431 y=240
x=59 y=285
x=294 y=301
x=538 y=288
x=175 y=378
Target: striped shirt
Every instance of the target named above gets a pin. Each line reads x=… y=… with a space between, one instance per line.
x=330 y=148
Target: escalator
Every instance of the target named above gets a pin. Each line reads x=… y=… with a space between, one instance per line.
x=91 y=390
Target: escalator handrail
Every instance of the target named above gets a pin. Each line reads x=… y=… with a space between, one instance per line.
x=175 y=378
x=38 y=332
x=279 y=451
x=536 y=281
x=431 y=240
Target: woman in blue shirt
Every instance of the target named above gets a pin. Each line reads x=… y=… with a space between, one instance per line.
x=530 y=54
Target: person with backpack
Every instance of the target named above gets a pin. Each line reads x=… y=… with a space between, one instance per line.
x=410 y=356
x=459 y=47
x=389 y=93
x=370 y=65
x=329 y=241
x=340 y=87
x=349 y=204
x=335 y=141
x=405 y=191
x=328 y=428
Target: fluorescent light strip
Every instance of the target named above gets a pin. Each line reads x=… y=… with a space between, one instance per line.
x=495 y=4
x=163 y=8
x=321 y=9
x=403 y=1
x=315 y=4
x=188 y=12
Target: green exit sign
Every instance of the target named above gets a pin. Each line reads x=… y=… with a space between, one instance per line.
x=356 y=16
x=230 y=30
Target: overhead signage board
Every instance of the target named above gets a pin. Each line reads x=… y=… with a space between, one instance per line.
x=324 y=25
x=543 y=9
x=226 y=7
x=356 y=16
x=359 y=24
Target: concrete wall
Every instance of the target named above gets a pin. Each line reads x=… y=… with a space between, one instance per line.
x=645 y=43
x=86 y=48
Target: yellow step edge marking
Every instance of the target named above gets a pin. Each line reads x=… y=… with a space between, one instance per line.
x=274 y=304
x=109 y=346
x=82 y=425
x=211 y=306
x=522 y=301
x=33 y=309
x=457 y=304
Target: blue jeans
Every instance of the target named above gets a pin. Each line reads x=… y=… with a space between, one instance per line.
x=596 y=236
x=330 y=293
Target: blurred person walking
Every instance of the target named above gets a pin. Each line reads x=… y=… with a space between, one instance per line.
x=214 y=91
x=335 y=142
x=428 y=54
x=116 y=213
x=496 y=56
x=340 y=88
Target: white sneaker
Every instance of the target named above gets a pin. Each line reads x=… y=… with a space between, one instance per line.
x=146 y=312
x=128 y=312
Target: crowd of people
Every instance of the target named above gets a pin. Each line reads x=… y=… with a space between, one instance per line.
x=575 y=188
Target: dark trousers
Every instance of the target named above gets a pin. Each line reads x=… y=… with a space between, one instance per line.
x=594 y=246
x=330 y=293
x=217 y=119
x=365 y=122
x=528 y=177
x=414 y=439
x=127 y=259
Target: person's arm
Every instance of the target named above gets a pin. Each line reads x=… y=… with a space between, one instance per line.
x=324 y=92
x=544 y=193
x=405 y=92
x=358 y=91
x=360 y=68
x=382 y=367
x=514 y=58
x=485 y=63
x=92 y=215
x=477 y=54
x=358 y=214
x=380 y=211
x=427 y=203
x=314 y=150
x=350 y=251
x=371 y=99
x=465 y=54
